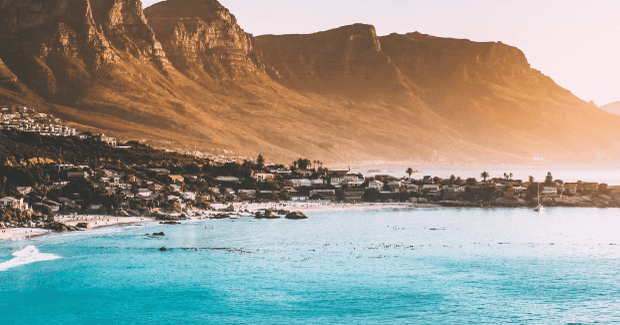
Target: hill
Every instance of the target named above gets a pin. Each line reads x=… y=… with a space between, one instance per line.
x=184 y=73
x=613 y=108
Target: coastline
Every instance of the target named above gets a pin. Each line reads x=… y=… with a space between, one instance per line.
x=95 y=221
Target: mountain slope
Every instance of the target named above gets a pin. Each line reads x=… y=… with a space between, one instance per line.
x=184 y=73
x=613 y=108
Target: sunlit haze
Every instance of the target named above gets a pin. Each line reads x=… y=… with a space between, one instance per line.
x=574 y=42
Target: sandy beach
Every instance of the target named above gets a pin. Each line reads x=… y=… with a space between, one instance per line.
x=94 y=221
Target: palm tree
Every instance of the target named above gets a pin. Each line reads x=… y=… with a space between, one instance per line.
x=484 y=175
x=409 y=171
x=510 y=176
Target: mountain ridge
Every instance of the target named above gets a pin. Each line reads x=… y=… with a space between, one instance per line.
x=184 y=73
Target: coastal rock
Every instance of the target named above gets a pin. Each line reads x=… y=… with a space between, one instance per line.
x=163 y=249
x=159 y=234
x=296 y=215
x=271 y=215
x=84 y=225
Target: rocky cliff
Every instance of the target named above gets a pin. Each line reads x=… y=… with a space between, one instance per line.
x=202 y=37
x=343 y=95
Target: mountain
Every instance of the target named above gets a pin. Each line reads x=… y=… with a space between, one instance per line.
x=613 y=108
x=183 y=73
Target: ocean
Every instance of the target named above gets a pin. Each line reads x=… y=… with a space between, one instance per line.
x=418 y=266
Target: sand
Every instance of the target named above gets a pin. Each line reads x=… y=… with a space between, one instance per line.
x=95 y=221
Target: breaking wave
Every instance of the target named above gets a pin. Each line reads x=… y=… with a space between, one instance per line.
x=27 y=255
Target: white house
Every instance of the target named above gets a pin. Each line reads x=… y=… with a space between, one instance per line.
x=11 y=202
x=376 y=185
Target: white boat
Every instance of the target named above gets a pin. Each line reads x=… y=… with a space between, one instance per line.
x=540 y=207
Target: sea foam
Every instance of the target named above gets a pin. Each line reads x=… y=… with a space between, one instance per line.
x=27 y=255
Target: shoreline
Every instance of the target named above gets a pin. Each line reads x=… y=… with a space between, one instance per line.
x=95 y=221
x=240 y=210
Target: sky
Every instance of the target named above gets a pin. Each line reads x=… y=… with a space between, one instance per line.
x=575 y=42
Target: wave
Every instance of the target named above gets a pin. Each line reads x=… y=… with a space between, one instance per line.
x=27 y=255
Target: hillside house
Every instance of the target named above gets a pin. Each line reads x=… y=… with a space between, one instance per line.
x=375 y=185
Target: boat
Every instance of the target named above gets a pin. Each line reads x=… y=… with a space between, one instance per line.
x=539 y=207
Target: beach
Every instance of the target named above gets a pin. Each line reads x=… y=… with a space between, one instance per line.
x=94 y=221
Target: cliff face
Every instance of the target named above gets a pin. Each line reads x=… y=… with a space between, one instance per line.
x=202 y=37
x=53 y=46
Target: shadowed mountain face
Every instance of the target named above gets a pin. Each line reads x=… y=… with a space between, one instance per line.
x=183 y=72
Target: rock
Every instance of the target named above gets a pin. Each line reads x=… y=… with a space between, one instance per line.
x=259 y=215
x=84 y=225
x=296 y=215
x=163 y=249
x=159 y=234
x=271 y=215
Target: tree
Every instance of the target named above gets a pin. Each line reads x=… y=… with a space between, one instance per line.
x=303 y=163
x=409 y=171
x=484 y=175
x=260 y=161
x=530 y=179
x=452 y=179
x=549 y=179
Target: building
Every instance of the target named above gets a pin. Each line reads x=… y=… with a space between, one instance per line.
x=227 y=179
x=264 y=177
x=111 y=141
x=13 y=203
x=353 y=193
x=300 y=182
x=549 y=191
x=323 y=194
x=375 y=185
x=431 y=189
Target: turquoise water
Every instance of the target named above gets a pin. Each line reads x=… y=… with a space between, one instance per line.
x=424 y=266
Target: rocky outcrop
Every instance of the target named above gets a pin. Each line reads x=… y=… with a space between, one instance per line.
x=54 y=45
x=296 y=215
x=201 y=36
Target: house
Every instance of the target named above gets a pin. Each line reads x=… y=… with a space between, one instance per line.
x=587 y=187
x=353 y=193
x=549 y=191
x=144 y=192
x=394 y=186
x=189 y=196
x=305 y=173
x=175 y=188
x=323 y=194
x=176 y=178
x=11 y=202
x=111 y=141
x=300 y=182
x=247 y=193
x=375 y=185
x=77 y=174
x=263 y=177
x=431 y=189
x=318 y=182
x=570 y=187
x=227 y=179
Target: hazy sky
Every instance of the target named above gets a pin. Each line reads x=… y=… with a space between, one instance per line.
x=575 y=42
